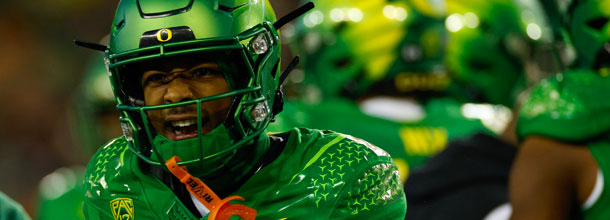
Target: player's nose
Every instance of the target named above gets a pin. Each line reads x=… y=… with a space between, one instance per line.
x=178 y=90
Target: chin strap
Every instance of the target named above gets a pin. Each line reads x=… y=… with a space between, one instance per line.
x=220 y=209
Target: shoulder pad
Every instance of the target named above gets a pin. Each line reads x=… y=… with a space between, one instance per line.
x=327 y=143
x=106 y=165
x=572 y=106
x=372 y=181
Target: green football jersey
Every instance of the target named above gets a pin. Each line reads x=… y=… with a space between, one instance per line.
x=574 y=107
x=318 y=175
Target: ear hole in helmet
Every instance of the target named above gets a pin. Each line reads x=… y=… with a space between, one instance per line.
x=597 y=23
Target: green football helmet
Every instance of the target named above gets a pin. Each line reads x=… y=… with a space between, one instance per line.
x=590 y=32
x=419 y=69
x=347 y=45
x=489 y=45
x=386 y=47
x=240 y=36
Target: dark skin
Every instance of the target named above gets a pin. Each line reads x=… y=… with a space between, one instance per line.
x=549 y=177
x=183 y=83
x=179 y=79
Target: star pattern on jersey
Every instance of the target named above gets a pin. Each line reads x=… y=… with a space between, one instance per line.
x=333 y=166
x=102 y=159
x=377 y=186
x=332 y=169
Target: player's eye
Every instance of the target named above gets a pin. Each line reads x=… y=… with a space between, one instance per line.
x=154 y=79
x=203 y=72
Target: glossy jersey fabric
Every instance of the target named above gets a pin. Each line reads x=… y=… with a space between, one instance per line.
x=574 y=107
x=318 y=175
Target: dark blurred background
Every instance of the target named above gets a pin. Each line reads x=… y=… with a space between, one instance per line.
x=40 y=70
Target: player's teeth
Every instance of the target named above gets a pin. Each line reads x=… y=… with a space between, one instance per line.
x=178 y=131
x=183 y=123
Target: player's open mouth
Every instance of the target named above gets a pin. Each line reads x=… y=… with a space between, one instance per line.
x=182 y=129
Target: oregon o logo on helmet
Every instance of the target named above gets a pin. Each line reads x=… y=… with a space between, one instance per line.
x=164 y=35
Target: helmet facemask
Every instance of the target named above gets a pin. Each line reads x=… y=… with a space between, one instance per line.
x=237 y=40
x=590 y=32
x=488 y=50
x=349 y=45
x=212 y=133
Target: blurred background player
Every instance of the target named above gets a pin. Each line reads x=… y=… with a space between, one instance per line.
x=492 y=56
x=562 y=169
x=94 y=121
x=375 y=69
x=94 y=109
x=41 y=70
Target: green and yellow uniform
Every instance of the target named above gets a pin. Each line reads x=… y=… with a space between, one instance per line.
x=317 y=175
x=301 y=174
x=573 y=107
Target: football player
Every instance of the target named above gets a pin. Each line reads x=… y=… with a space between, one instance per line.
x=561 y=170
x=490 y=56
x=197 y=83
